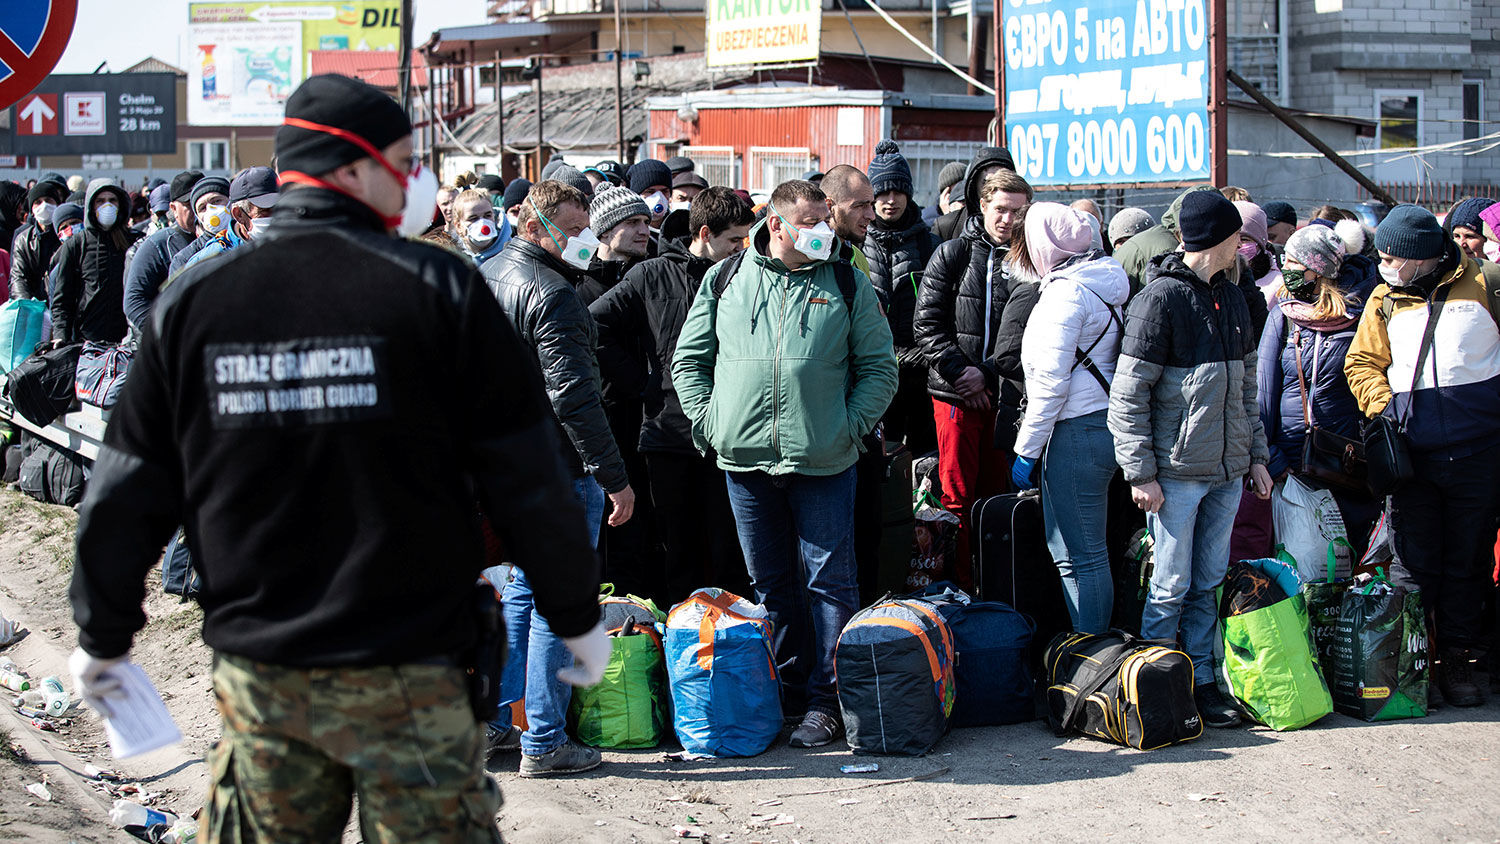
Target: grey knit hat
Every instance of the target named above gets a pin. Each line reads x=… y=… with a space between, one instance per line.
x=1318 y=248
x=614 y=205
x=570 y=175
x=1129 y=222
x=951 y=174
x=1410 y=231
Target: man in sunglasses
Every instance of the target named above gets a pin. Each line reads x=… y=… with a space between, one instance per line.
x=321 y=407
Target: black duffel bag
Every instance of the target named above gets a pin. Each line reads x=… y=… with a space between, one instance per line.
x=42 y=386
x=1117 y=687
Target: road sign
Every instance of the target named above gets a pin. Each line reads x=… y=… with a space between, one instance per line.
x=37 y=115
x=33 y=35
x=96 y=114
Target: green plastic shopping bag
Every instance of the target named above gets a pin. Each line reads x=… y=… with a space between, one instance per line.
x=1325 y=600
x=1270 y=661
x=628 y=707
x=1380 y=666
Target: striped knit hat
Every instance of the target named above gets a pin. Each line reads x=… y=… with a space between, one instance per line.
x=614 y=205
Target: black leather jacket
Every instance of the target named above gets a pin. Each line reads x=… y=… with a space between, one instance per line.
x=537 y=293
x=29 y=261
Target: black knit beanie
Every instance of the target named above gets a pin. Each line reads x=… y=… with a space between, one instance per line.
x=342 y=103
x=1206 y=220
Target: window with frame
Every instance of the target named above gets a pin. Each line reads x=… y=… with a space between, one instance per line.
x=208 y=156
x=1473 y=108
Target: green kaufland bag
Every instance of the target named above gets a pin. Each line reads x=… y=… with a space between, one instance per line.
x=628 y=708
x=1270 y=661
x=1380 y=663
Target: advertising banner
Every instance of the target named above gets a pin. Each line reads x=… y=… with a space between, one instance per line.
x=752 y=32
x=247 y=57
x=1107 y=91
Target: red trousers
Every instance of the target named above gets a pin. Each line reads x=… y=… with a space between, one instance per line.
x=970 y=468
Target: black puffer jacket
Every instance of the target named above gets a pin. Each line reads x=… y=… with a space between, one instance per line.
x=536 y=292
x=29 y=260
x=898 y=256
x=951 y=319
x=90 y=300
x=639 y=321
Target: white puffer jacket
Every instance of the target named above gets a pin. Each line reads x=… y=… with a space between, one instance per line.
x=1070 y=315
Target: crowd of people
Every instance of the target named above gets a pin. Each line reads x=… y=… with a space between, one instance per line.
x=704 y=389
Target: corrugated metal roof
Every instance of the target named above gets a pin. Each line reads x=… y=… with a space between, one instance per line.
x=488 y=36
x=583 y=117
x=380 y=68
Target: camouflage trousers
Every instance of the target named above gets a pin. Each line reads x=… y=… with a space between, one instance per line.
x=299 y=744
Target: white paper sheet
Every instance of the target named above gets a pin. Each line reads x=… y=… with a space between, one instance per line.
x=138 y=721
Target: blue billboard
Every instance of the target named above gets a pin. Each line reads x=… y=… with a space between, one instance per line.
x=1107 y=91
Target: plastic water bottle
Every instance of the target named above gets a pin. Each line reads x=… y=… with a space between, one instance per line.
x=57 y=697
x=129 y=813
x=12 y=677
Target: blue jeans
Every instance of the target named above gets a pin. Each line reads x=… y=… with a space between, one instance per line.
x=1076 y=469
x=1191 y=533
x=797 y=532
x=535 y=653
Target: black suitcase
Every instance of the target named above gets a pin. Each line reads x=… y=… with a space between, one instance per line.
x=42 y=386
x=1012 y=563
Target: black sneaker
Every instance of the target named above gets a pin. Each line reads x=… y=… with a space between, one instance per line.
x=499 y=740
x=1456 y=679
x=817 y=729
x=1215 y=710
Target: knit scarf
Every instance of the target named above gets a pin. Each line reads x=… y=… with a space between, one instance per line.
x=1302 y=314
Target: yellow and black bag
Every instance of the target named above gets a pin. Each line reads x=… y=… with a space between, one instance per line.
x=1121 y=688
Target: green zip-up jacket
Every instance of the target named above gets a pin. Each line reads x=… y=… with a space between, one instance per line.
x=780 y=375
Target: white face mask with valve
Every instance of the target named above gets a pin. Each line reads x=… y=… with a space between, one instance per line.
x=657 y=202
x=215 y=218
x=482 y=233
x=580 y=249
x=815 y=242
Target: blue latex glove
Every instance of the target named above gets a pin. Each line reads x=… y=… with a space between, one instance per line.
x=1021 y=471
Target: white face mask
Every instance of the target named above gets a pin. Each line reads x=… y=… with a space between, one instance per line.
x=682 y=206
x=1492 y=251
x=816 y=242
x=657 y=202
x=580 y=249
x=258 y=227
x=482 y=233
x=107 y=214
x=215 y=218
x=43 y=214
x=421 y=201
x=1392 y=275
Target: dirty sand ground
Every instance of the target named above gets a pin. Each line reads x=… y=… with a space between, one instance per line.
x=1426 y=780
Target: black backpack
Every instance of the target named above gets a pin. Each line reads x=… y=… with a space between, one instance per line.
x=42 y=386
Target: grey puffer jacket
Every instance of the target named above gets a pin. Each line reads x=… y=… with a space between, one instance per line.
x=537 y=293
x=1183 y=401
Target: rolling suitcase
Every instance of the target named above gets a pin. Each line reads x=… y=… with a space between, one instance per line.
x=1013 y=565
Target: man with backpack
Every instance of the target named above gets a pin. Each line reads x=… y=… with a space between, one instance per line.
x=89 y=303
x=784 y=363
x=1441 y=384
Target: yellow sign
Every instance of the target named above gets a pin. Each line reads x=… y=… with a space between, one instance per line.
x=1375 y=692
x=757 y=32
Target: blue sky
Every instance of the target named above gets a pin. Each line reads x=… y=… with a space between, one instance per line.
x=123 y=33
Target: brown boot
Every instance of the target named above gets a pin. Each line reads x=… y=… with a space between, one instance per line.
x=1456 y=679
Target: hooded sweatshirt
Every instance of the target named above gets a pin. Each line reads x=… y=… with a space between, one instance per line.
x=90 y=300
x=953 y=223
x=1073 y=312
x=779 y=374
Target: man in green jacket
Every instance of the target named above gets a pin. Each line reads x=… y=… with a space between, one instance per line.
x=781 y=377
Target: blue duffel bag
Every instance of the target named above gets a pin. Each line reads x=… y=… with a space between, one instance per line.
x=994 y=681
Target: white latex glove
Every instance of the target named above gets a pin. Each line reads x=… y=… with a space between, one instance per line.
x=590 y=655
x=92 y=684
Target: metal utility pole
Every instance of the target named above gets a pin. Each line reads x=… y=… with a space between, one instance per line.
x=1218 y=105
x=406 y=56
x=499 y=117
x=1317 y=143
x=619 y=88
x=541 y=160
x=998 y=22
